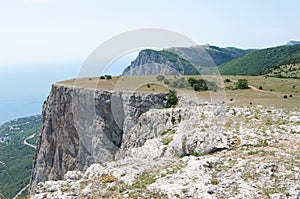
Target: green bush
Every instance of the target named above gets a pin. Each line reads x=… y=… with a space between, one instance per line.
x=108 y=77
x=166 y=81
x=172 y=99
x=202 y=85
x=242 y=84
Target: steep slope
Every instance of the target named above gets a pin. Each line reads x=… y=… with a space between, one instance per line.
x=80 y=128
x=83 y=126
x=260 y=61
x=151 y=62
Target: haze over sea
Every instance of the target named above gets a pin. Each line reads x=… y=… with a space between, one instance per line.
x=25 y=88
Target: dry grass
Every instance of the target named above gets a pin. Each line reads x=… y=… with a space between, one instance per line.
x=265 y=97
x=123 y=83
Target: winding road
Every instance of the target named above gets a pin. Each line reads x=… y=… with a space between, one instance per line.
x=26 y=143
x=32 y=146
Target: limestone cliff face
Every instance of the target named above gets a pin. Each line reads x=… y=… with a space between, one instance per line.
x=150 y=62
x=85 y=126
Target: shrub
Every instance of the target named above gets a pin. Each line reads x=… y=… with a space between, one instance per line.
x=160 y=78
x=192 y=81
x=102 y=77
x=179 y=118
x=167 y=141
x=108 y=77
x=242 y=84
x=148 y=86
x=107 y=178
x=172 y=99
x=173 y=120
x=285 y=97
x=227 y=80
x=214 y=181
x=260 y=87
x=166 y=81
x=291 y=95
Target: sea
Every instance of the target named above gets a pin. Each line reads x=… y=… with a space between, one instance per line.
x=24 y=88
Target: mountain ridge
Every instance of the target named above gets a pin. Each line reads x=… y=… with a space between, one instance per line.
x=260 y=61
x=194 y=60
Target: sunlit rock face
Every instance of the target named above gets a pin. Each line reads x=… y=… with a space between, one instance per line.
x=84 y=126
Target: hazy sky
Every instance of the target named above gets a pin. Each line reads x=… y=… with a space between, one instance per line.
x=35 y=31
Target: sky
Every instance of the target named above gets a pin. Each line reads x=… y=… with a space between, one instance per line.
x=43 y=31
x=45 y=41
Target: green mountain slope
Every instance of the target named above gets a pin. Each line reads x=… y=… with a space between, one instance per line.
x=193 y=60
x=189 y=68
x=261 y=61
x=15 y=156
x=207 y=56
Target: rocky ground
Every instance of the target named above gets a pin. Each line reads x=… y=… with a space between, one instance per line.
x=257 y=156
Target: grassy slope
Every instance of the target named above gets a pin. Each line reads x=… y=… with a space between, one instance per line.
x=260 y=61
x=15 y=174
x=286 y=71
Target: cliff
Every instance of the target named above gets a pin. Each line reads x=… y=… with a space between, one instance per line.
x=182 y=153
x=83 y=126
x=151 y=62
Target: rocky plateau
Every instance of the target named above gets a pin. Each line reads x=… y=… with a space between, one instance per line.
x=105 y=144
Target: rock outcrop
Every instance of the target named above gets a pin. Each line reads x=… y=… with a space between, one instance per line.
x=84 y=126
x=151 y=62
x=261 y=160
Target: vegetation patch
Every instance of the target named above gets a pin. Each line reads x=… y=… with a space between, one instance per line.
x=107 y=178
x=172 y=99
x=15 y=173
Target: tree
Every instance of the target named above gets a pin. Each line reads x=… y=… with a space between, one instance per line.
x=108 y=77
x=192 y=81
x=242 y=84
x=172 y=99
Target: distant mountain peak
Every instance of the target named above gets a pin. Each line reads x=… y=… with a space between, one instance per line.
x=292 y=42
